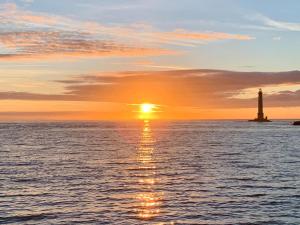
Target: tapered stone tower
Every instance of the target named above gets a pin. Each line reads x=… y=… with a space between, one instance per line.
x=260 y=112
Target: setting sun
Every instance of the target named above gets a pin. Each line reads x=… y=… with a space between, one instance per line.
x=147 y=108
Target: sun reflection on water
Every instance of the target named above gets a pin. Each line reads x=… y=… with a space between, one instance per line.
x=149 y=199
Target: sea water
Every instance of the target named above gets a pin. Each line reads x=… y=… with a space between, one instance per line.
x=150 y=172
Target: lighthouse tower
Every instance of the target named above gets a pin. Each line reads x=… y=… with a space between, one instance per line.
x=260 y=112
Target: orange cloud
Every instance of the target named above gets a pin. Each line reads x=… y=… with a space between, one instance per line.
x=47 y=45
x=213 y=36
x=42 y=36
x=9 y=12
x=195 y=88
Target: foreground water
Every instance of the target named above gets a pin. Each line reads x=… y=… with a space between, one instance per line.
x=150 y=173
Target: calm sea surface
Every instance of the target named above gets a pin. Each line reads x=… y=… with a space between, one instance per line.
x=150 y=173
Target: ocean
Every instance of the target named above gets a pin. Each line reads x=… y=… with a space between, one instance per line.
x=150 y=172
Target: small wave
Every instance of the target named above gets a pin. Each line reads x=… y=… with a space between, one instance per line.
x=25 y=218
x=254 y=195
x=143 y=168
x=286 y=188
x=25 y=180
x=242 y=179
x=262 y=223
x=23 y=195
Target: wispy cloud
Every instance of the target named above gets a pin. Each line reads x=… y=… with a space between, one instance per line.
x=276 y=38
x=31 y=35
x=53 y=44
x=181 y=34
x=13 y=17
x=28 y=35
x=27 y=1
x=152 y=64
x=276 y=24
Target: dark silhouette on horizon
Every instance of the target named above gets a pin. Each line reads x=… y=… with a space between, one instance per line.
x=260 y=114
x=297 y=123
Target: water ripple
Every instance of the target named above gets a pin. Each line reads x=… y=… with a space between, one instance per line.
x=149 y=173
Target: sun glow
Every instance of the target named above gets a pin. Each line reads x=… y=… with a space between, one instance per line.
x=147 y=110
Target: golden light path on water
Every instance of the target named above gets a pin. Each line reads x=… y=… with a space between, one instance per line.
x=149 y=199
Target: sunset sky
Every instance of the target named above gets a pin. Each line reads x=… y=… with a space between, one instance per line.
x=194 y=59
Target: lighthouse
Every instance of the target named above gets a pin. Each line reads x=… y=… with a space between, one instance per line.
x=260 y=109
x=260 y=113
